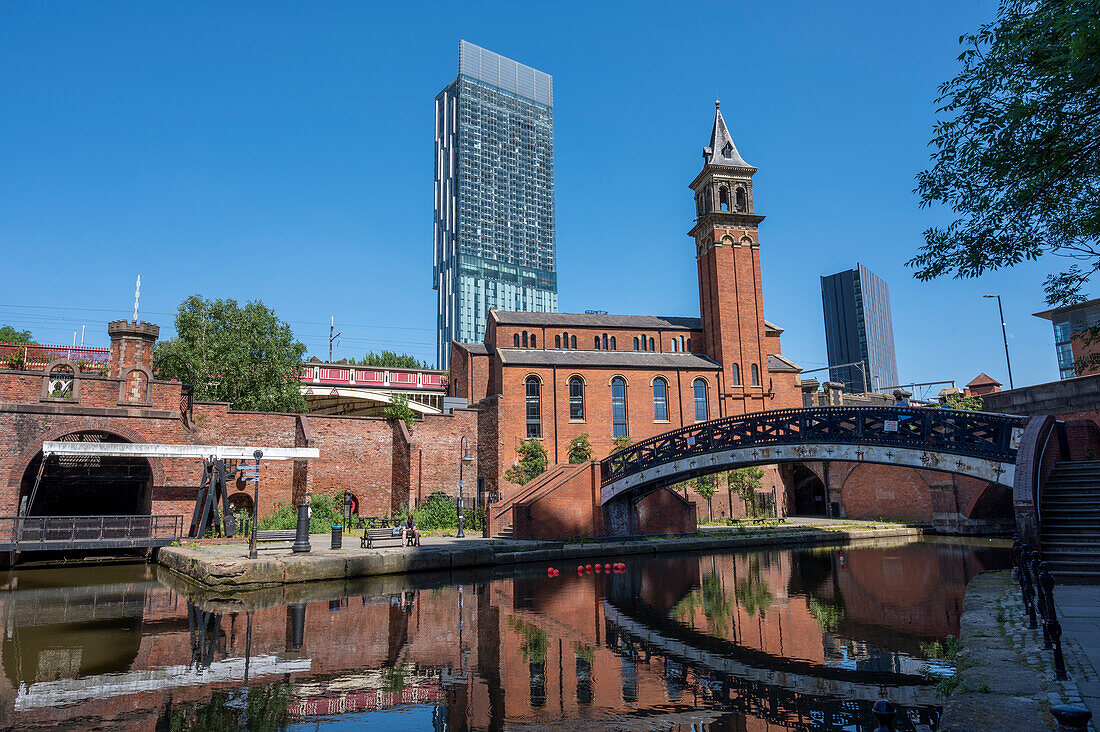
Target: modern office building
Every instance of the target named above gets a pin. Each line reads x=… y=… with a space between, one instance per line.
x=494 y=195
x=1070 y=323
x=859 y=330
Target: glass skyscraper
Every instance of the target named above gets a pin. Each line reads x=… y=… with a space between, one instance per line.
x=859 y=329
x=494 y=195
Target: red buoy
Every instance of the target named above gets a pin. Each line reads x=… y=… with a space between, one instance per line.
x=580 y=568
x=598 y=568
x=607 y=567
x=588 y=568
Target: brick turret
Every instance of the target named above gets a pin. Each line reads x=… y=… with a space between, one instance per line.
x=131 y=345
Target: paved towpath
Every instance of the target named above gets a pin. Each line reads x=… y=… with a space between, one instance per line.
x=1079 y=614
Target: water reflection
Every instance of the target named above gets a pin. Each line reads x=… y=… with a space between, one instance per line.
x=802 y=639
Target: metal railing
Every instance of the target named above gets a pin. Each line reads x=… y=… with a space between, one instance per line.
x=48 y=533
x=957 y=432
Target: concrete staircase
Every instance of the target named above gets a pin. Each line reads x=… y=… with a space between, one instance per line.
x=1070 y=521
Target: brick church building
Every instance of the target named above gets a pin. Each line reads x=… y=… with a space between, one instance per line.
x=553 y=376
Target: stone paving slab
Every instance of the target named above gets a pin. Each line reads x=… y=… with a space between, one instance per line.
x=226 y=566
x=1079 y=614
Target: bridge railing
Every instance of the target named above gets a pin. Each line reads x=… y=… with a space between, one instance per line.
x=958 y=432
x=62 y=531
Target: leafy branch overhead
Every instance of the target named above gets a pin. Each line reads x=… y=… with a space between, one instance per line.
x=1017 y=149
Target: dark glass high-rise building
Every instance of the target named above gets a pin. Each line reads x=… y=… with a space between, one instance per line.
x=858 y=329
x=494 y=195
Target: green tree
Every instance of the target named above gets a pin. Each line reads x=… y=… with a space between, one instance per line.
x=8 y=334
x=705 y=486
x=959 y=401
x=746 y=482
x=399 y=409
x=393 y=360
x=1017 y=148
x=245 y=356
x=532 y=463
x=622 y=441
x=580 y=449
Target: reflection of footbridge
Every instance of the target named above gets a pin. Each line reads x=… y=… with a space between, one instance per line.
x=55 y=605
x=765 y=673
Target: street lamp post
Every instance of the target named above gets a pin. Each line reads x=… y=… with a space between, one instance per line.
x=1004 y=335
x=463 y=458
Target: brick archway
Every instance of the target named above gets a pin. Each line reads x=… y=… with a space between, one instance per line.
x=19 y=467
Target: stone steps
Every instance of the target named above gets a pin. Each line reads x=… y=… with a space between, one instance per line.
x=1070 y=522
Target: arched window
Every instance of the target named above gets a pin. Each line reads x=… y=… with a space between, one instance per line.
x=557 y=341
x=735 y=375
x=618 y=407
x=652 y=345
x=572 y=341
x=682 y=343
x=576 y=399
x=755 y=371
x=660 y=400
x=700 y=388
x=565 y=339
x=675 y=345
x=525 y=339
x=689 y=345
x=533 y=341
x=597 y=343
x=723 y=199
x=534 y=407
x=612 y=343
x=515 y=340
x=635 y=343
x=740 y=199
x=605 y=341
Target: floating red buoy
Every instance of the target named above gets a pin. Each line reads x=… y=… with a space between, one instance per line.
x=550 y=572
x=607 y=567
x=580 y=568
x=588 y=568
x=556 y=573
x=598 y=568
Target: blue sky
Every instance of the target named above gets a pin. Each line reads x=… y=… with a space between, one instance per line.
x=283 y=152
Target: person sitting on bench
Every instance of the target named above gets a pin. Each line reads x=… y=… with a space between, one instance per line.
x=410 y=535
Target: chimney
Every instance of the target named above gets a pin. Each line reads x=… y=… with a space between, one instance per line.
x=834 y=393
x=131 y=345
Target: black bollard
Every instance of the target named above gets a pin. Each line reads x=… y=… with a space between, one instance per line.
x=301 y=537
x=1071 y=717
x=297 y=626
x=885 y=713
x=1017 y=547
x=337 y=537
x=1028 y=591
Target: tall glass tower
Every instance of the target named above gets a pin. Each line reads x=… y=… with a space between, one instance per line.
x=494 y=195
x=859 y=329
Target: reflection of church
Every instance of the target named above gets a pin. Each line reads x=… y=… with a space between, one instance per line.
x=782 y=637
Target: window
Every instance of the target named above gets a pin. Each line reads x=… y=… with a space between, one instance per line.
x=515 y=341
x=681 y=343
x=660 y=400
x=700 y=387
x=635 y=343
x=597 y=343
x=689 y=344
x=557 y=341
x=672 y=345
x=525 y=339
x=572 y=341
x=652 y=345
x=534 y=408
x=735 y=375
x=723 y=199
x=740 y=199
x=618 y=407
x=605 y=341
x=533 y=341
x=612 y=343
x=576 y=399
x=755 y=371
x=565 y=339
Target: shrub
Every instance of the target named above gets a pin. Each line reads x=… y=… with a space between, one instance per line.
x=438 y=512
x=328 y=511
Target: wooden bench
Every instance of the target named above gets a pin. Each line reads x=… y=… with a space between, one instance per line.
x=276 y=535
x=370 y=536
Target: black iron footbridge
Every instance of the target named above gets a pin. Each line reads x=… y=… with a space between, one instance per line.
x=977 y=444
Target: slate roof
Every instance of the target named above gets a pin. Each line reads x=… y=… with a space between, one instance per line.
x=779 y=363
x=607 y=359
x=984 y=379
x=591 y=320
x=477 y=349
x=721 y=150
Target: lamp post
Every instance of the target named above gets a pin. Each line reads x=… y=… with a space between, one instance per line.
x=1004 y=335
x=463 y=458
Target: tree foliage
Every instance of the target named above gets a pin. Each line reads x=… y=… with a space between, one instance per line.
x=745 y=482
x=1017 y=148
x=580 y=449
x=959 y=401
x=8 y=334
x=532 y=463
x=245 y=356
x=392 y=360
x=399 y=409
x=705 y=486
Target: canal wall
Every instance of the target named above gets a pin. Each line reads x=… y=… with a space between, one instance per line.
x=225 y=567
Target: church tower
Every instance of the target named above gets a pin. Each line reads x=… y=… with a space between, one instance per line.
x=727 y=249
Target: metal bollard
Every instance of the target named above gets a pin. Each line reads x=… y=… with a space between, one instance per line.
x=1054 y=628
x=885 y=713
x=1040 y=598
x=1028 y=591
x=1071 y=717
x=301 y=536
x=297 y=623
x=337 y=537
x=1017 y=548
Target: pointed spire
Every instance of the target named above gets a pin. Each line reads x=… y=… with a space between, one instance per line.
x=721 y=150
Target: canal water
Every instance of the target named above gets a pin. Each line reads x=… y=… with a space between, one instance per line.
x=804 y=639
